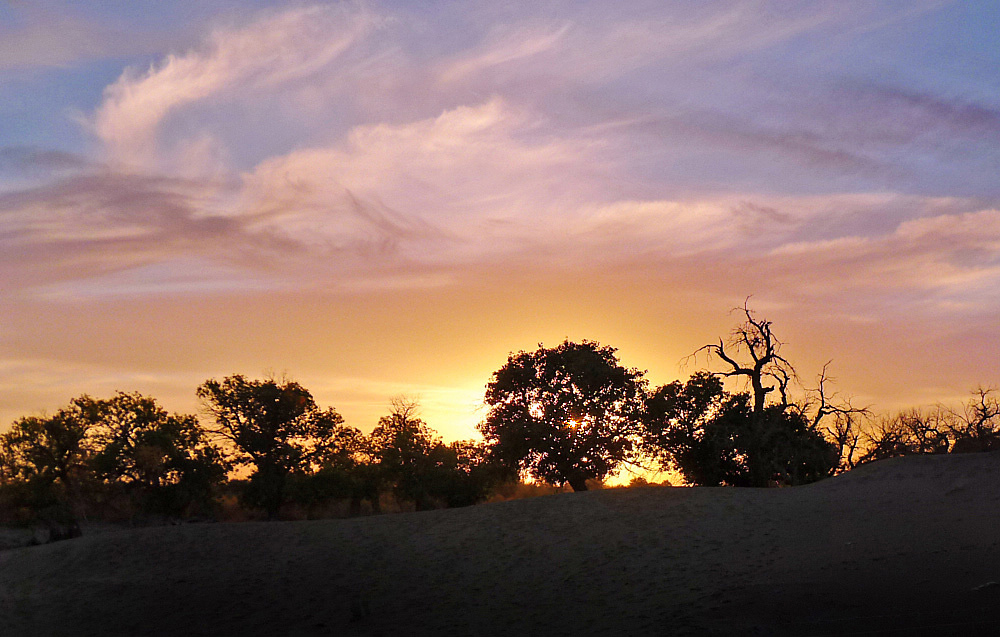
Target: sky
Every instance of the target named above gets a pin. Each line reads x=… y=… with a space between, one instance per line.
x=388 y=198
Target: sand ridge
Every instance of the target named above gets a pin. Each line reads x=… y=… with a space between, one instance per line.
x=895 y=547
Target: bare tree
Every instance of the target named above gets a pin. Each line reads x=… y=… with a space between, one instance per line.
x=977 y=426
x=845 y=429
x=909 y=432
x=766 y=371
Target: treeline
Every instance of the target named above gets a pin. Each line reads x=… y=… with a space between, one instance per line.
x=268 y=444
x=566 y=415
x=573 y=413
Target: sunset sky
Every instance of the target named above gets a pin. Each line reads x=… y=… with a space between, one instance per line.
x=383 y=198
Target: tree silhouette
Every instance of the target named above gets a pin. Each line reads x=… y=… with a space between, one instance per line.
x=565 y=414
x=845 y=429
x=352 y=472
x=977 y=426
x=421 y=469
x=676 y=418
x=467 y=474
x=162 y=459
x=47 y=455
x=713 y=437
x=908 y=432
x=403 y=445
x=755 y=340
x=753 y=438
x=275 y=427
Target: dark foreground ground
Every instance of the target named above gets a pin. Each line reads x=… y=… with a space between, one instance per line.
x=909 y=546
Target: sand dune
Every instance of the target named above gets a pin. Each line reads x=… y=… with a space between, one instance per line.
x=905 y=546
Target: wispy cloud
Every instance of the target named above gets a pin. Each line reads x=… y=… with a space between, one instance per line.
x=273 y=51
x=98 y=222
x=949 y=261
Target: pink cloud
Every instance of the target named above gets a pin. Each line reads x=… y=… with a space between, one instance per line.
x=276 y=49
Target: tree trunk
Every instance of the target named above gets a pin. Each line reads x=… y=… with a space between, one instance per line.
x=759 y=394
x=578 y=483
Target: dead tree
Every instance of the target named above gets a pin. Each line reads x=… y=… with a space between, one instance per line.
x=766 y=371
x=977 y=427
x=845 y=430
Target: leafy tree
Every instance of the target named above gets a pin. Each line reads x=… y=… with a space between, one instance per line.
x=777 y=446
x=565 y=414
x=352 y=472
x=402 y=444
x=714 y=438
x=162 y=459
x=276 y=428
x=676 y=419
x=411 y=458
x=467 y=475
x=47 y=455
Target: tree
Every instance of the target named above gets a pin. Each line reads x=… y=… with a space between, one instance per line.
x=565 y=414
x=47 y=454
x=424 y=470
x=276 y=428
x=845 y=429
x=353 y=473
x=713 y=437
x=753 y=338
x=913 y=431
x=676 y=419
x=164 y=460
x=977 y=426
x=753 y=438
x=402 y=444
x=467 y=475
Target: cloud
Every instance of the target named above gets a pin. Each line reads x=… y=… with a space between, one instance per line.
x=594 y=43
x=904 y=115
x=373 y=192
x=467 y=175
x=98 y=222
x=509 y=47
x=953 y=260
x=23 y=167
x=31 y=159
x=273 y=51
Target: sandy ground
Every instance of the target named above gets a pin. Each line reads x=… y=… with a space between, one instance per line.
x=906 y=546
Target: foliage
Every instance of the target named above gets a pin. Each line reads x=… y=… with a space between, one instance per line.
x=421 y=468
x=777 y=446
x=164 y=460
x=402 y=445
x=469 y=475
x=44 y=457
x=753 y=438
x=564 y=414
x=276 y=428
x=714 y=438
x=676 y=418
x=349 y=473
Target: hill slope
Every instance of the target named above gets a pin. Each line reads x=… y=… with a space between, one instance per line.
x=897 y=547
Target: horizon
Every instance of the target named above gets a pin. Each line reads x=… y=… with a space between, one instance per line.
x=380 y=199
